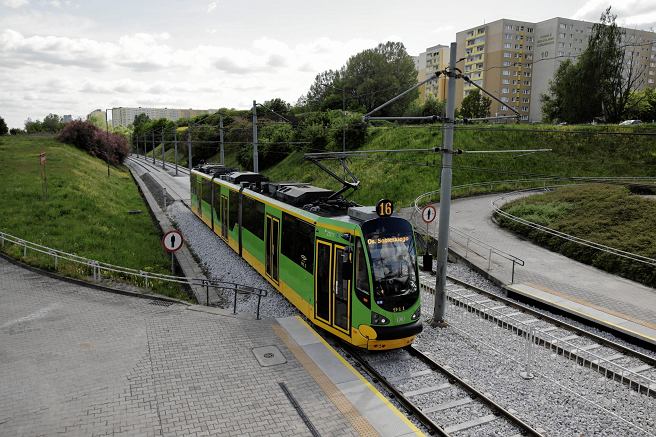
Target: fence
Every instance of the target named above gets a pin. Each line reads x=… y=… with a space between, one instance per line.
x=96 y=269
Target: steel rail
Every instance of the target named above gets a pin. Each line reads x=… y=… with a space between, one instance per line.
x=540 y=315
x=410 y=407
x=496 y=408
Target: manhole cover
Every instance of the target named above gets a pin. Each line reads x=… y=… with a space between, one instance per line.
x=269 y=356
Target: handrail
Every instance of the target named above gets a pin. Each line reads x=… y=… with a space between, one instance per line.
x=424 y=199
x=98 y=267
x=496 y=206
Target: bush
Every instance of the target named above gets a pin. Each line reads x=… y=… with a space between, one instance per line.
x=111 y=147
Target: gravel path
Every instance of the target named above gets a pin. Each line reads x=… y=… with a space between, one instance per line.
x=221 y=263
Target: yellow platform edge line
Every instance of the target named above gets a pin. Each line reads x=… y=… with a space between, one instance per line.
x=373 y=389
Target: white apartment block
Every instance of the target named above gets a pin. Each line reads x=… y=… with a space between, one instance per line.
x=125 y=116
x=515 y=60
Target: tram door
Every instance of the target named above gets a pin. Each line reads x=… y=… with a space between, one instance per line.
x=272 y=238
x=332 y=291
x=224 y=217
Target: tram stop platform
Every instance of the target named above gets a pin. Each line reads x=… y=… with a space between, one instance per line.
x=367 y=410
x=77 y=360
x=614 y=320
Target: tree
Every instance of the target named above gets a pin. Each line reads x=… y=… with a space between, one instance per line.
x=573 y=96
x=601 y=82
x=3 y=127
x=52 y=123
x=642 y=105
x=368 y=79
x=475 y=105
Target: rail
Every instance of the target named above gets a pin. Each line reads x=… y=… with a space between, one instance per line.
x=498 y=203
x=97 y=268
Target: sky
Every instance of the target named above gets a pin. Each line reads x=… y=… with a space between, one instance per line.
x=74 y=56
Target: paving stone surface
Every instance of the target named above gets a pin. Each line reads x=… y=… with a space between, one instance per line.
x=79 y=361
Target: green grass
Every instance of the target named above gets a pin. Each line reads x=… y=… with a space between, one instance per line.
x=86 y=212
x=580 y=150
x=605 y=214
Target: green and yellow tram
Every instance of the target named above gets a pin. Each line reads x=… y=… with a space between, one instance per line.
x=350 y=270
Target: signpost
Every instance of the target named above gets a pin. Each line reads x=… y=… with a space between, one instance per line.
x=172 y=242
x=428 y=215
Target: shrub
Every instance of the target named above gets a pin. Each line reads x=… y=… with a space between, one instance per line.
x=111 y=147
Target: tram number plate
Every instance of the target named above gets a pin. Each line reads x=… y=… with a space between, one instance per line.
x=384 y=208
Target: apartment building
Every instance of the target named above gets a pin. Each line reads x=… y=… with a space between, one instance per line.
x=125 y=116
x=515 y=60
x=433 y=59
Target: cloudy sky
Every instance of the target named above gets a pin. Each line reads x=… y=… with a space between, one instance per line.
x=73 y=56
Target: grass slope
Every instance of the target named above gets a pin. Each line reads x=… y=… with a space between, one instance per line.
x=606 y=214
x=86 y=212
x=576 y=151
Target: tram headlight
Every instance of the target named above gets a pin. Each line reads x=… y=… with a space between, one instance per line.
x=377 y=319
x=417 y=313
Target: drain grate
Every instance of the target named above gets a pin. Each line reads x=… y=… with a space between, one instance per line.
x=161 y=303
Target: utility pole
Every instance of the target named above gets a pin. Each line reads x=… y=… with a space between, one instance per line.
x=445 y=197
x=153 y=144
x=175 y=148
x=163 y=151
x=107 y=136
x=189 y=145
x=221 y=139
x=256 y=166
x=344 y=120
x=145 y=147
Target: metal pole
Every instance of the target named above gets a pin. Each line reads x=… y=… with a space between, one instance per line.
x=256 y=166
x=107 y=137
x=175 y=146
x=145 y=155
x=153 y=144
x=445 y=198
x=343 y=120
x=221 y=139
x=163 y=152
x=189 y=145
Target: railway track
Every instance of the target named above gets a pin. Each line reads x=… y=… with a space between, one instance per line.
x=613 y=360
x=444 y=403
x=158 y=164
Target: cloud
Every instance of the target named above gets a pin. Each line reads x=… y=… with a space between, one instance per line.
x=211 y=7
x=15 y=4
x=630 y=13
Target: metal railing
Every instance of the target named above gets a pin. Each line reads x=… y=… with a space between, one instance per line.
x=487 y=251
x=97 y=268
x=498 y=203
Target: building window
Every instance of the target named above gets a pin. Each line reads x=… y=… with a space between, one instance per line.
x=509 y=27
x=503 y=108
x=561 y=35
x=504 y=99
x=563 y=26
x=529 y=30
x=505 y=73
x=506 y=63
x=507 y=45
x=505 y=81
x=507 y=55
x=504 y=90
x=508 y=36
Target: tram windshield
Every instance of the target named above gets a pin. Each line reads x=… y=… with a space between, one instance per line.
x=393 y=258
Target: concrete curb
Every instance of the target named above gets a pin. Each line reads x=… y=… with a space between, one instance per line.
x=184 y=258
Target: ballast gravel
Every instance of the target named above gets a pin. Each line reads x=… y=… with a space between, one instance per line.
x=221 y=263
x=562 y=399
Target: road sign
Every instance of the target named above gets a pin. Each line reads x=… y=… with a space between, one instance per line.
x=172 y=241
x=428 y=214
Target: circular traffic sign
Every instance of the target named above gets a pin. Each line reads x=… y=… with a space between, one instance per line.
x=428 y=214
x=172 y=241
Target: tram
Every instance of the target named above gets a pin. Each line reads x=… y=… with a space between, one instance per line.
x=350 y=269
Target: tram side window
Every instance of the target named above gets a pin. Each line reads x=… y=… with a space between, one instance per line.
x=298 y=241
x=207 y=191
x=233 y=210
x=217 y=201
x=361 y=275
x=252 y=216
